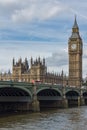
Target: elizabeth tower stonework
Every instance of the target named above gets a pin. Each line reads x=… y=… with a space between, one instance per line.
x=75 y=49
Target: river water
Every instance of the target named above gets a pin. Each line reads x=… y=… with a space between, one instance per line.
x=60 y=119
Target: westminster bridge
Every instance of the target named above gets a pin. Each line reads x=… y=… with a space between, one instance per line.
x=20 y=96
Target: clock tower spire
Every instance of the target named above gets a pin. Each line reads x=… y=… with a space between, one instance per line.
x=75 y=56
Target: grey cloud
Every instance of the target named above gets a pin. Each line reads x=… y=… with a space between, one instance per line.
x=57 y=59
x=20 y=10
x=37 y=10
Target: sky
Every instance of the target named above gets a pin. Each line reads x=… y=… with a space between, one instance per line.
x=41 y=28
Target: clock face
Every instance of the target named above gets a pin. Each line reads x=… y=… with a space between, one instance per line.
x=73 y=46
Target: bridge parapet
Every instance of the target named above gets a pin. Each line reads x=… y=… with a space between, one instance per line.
x=30 y=87
x=12 y=83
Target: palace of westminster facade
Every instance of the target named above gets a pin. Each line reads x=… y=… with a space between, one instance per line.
x=38 y=70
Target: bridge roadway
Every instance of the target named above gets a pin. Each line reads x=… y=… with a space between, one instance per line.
x=28 y=96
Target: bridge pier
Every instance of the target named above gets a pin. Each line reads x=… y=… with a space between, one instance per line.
x=79 y=101
x=35 y=106
x=35 y=103
x=82 y=100
x=64 y=99
x=65 y=102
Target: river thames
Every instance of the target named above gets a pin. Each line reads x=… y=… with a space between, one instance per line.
x=60 y=119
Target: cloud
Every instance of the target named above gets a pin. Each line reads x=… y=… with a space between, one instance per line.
x=29 y=19
x=7 y=7
x=40 y=20
x=22 y=11
x=37 y=10
x=7 y=2
x=58 y=61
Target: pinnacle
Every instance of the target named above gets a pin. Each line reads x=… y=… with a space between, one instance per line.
x=75 y=23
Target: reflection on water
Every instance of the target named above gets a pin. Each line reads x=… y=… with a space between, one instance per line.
x=61 y=119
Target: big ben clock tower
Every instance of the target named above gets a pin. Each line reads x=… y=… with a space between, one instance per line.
x=75 y=48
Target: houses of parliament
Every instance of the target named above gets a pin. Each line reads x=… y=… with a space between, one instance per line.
x=37 y=71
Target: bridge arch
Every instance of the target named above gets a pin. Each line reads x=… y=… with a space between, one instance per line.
x=14 y=91
x=49 y=97
x=69 y=91
x=14 y=99
x=50 y=89
x=72 y=97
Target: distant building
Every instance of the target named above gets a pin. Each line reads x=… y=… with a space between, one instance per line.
x=37 y=72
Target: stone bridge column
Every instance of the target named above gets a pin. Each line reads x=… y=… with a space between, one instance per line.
x=79 y=101
x=64 y=99
x=82 y=99
x=65 y=102
x=35 y=102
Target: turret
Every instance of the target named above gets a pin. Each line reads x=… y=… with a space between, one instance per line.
x=36 y=61
x=26 y=64
x=75 y=30
x=13 y=62
x=31 y=61
x=20 y=60
x=44 y=61
x=9 y=72
x=39 y=60
x=75 y=26
x=62 y=73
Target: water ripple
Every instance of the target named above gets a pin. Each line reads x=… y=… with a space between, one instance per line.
x=62 y=119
